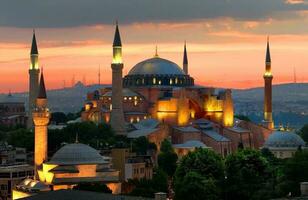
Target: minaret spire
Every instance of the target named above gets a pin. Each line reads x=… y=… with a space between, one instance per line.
x=34 y=72
x=42 y=89
x=156 y=52
x=185 y=60
x=34 y=50
x=41 y=118
x=268 y=54
x=117 y=38
x=117 y=115
x=268 y=77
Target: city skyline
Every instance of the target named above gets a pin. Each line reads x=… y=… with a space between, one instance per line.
x=225 y=49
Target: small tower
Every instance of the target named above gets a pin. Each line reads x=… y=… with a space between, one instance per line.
x=41 y=119
x=117 y=115
x=268 y=77
x=34 y=72
x=185 y=60
x=228 y=110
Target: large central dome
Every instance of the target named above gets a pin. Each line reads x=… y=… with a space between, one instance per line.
x=156 y=66
x=157 y=72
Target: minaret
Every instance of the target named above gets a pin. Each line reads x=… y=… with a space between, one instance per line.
x=41 y=119
x=268 y=77
x=34 y=72
x=185 y=60
x=117 y=115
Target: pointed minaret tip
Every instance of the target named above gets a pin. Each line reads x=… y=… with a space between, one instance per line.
x=34 y=50
x=42 y=89
x=185 y=59
x=268 y=54
x=117 y=38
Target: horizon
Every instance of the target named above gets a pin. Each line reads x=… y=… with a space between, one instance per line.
x=104 y=84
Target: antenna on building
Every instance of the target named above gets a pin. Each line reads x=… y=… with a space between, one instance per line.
x=73 y=80
x=99 y=74
x=64 y=84
x=76 y=139
x=294 y=73
x=84 y=80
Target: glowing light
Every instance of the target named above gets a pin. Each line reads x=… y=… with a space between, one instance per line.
x=154 y=80
x=117 y=55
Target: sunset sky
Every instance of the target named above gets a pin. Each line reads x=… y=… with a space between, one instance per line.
x=226 y=39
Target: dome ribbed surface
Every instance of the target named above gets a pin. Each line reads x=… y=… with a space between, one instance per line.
x=77 y=153
x=284 y=139
x=156 y=66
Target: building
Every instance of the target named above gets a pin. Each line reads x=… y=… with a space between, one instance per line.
x=12 y=155
x=12 y=175
x=70 y=165
x=159 y=89
x=12 y=111
x=284 y=144
x=156 y=88
x=86 y=195
x=132 y=166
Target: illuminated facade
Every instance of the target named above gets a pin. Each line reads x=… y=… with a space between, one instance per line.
x=155 y=88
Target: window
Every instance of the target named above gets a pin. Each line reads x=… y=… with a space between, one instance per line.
x=154 y=80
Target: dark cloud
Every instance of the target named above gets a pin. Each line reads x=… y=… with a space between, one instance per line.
x=69 y=13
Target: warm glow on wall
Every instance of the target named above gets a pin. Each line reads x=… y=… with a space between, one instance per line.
x=213 y=105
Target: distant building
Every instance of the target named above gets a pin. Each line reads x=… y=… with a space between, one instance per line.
x=284 y=144
x=12 y=111
x=12 y=175
x=12 y=155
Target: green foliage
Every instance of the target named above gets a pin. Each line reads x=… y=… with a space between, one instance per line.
x=97 y=136
x=147 y=188
x=58 y=117
x=243 y=117
x=196 y=187
x=141 y=145
x=247 y=175
x=167 y=158
x=295 y=170
x=94 y=187
x=21 y=138
x=207 y=166
x=303 y=132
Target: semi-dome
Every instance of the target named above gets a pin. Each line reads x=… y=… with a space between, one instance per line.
x=156 y=66
x=75 y=154
x=284 y=139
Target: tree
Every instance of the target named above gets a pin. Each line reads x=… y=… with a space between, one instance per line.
x=58 y=117
x=205 y=164
x=196 y=187
x=21 y=138
x=295 y=170
x=242 y=117
x=247 y=175
x=167 y=158
x=141 y=145
x=303 y=132
x=147 y=188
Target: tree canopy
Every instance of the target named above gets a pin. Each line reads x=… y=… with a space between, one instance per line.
x=167 y=159
x=203 y=166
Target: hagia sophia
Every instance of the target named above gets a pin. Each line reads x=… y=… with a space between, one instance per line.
x=157 y=99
